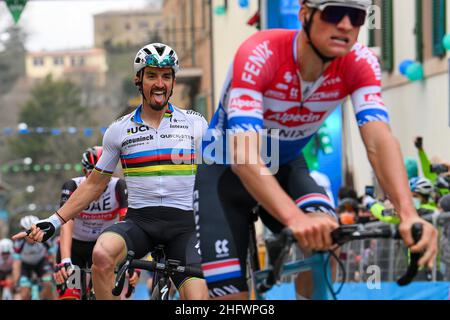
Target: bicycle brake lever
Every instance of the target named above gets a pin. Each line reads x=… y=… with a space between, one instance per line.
x=130 y=289
x=120 y=278
x=416 y=230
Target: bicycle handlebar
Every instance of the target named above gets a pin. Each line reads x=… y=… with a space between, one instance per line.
x=170 y=267
x=340 y=236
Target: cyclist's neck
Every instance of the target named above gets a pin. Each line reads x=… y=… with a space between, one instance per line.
x=151 y=117
x=310 y=65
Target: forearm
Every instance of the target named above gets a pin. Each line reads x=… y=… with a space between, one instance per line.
x=265 y=189
x=386 y=159
x=65 y=242
x=88 y=191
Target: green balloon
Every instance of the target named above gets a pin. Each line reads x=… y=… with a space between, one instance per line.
x=411 y=167
x=415 y=72
x=446 y=42
x=220 y=10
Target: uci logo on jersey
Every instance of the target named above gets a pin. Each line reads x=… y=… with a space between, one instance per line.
x=138 y=129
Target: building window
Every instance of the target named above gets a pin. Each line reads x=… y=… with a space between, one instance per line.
x=430 y=29
x=387 y=35
x=58 y=61
x=38 y=61
x=419 y=31
x=383 y=38
x=439 y=22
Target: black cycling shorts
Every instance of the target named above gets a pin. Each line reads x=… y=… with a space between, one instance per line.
x=145 y=228
x=81 y=253
x=222 y=206
x=43 y=267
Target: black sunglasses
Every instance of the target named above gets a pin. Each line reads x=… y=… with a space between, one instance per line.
x=335 y=14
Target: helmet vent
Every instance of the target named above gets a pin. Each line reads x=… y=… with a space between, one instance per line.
x=160 y=49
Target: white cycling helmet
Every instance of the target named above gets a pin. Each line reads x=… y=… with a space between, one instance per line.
x=156 y=55
x=6 y=246
x=27 y=221
x=359 y=4
x=421 y=185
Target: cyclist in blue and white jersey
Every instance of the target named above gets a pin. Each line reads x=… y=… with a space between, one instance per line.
x=156 y=146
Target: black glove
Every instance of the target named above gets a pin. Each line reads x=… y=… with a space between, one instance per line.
x=48 y=226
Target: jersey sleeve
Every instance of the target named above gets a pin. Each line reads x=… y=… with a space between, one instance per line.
x=363 y=78
x=253 y=65
x=67 y=189
x=111 y=151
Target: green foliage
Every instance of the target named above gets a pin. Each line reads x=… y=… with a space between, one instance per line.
x=52 y=104
x=12 y=58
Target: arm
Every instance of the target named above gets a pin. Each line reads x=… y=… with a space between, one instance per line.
x=90 y=190
x=312 y=233
x=87 y=192
x=424 y=161
x=385 y=156
x=261 y=184
x=65 y=240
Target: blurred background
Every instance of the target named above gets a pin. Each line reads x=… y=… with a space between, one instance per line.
x=66 y=70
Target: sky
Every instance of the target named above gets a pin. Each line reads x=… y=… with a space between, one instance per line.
x=63 y=24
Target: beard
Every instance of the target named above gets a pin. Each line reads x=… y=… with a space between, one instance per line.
x=159 y=106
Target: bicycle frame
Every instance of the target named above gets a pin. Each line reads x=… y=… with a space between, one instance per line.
x=161 y=282
x=316 y=263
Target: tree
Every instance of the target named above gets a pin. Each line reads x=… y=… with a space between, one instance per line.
x=12 y=58
x=52 y=104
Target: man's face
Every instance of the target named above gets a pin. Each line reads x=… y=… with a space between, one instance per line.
x=332 y=39
x=157 y=84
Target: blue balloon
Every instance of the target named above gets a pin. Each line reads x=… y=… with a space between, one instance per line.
x=243 y=3
x=403 y=67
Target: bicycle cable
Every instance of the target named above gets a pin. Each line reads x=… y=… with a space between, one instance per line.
x=341 y=265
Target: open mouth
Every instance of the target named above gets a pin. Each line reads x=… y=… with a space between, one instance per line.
x=341 y=40
x=158 y=95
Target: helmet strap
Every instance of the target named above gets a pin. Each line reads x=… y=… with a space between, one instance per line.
x=307 y=27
